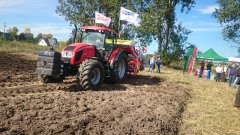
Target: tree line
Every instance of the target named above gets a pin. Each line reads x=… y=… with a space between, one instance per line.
x=228 y=15
x=158 y=21
x=27 y=36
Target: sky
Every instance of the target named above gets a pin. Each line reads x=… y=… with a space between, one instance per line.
x=40 y=17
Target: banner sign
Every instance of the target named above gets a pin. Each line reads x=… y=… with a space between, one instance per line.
x=100 y=18
x=129 y=16
x=189 y=58
x=144 y=49
x=190 y=66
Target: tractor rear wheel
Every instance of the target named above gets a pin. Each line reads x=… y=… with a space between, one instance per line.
x=90 y=74
x=119 y=71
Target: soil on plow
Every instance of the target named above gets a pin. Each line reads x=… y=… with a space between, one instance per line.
x=141 y=105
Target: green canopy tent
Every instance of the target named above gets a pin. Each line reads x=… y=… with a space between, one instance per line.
x=211 y=55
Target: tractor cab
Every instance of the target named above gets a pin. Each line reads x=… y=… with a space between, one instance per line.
x=102 y=38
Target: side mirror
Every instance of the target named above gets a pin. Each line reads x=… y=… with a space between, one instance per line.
x=52 y=43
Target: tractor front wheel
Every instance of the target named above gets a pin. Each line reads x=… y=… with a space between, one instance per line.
x=90 y=74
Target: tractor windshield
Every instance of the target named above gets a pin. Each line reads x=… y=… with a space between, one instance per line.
x=94 y=38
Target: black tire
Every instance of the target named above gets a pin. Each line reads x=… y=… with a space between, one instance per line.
x=117 y=77
x=49 y=79
x=90 y=74
x=45 y=78
x=141 y=68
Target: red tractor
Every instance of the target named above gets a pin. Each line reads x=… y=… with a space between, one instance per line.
x=99 y=55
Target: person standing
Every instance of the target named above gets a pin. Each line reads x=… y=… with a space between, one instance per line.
x=231 y=75
x=236 y=76
x=152 y=64
x=209 y=68
x=201 y=68
x=218 y=72
x=223 y=74
x=149 y=65
x=158 y=64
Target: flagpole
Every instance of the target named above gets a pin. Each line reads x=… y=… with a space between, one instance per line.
x=192 y=67
x=182 y=75
x=119 y=25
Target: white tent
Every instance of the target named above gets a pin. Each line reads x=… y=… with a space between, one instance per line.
x=234 y=59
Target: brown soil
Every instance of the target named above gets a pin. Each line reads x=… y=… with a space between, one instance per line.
x=141 y=105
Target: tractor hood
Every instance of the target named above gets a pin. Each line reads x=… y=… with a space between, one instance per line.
x=77 y=47
x=77 y=52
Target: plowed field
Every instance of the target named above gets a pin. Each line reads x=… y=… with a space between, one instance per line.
x=141 y=105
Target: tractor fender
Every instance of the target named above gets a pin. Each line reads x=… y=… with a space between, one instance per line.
x=114 y=56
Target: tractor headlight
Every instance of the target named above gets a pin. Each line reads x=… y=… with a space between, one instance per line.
x=67 y=54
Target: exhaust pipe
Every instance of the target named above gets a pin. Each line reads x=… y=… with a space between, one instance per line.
x=74 y=33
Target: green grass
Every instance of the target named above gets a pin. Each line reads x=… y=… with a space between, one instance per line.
x=27 y=49
x=210 y=110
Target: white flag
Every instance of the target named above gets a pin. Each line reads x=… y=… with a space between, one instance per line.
x=100 y=18
x=129 y=16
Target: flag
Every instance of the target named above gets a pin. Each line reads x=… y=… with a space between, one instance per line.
x=129 y=16
x=189 y=58
x=144 y=49
x=190 y=65
x=100 y=18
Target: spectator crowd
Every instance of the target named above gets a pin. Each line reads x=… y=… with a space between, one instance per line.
x=223 y=72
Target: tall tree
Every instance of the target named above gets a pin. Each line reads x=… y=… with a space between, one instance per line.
x=162 y=21
x=228 y=15
x=169 y=16
x=13 y=31
x=157 y=16
x=47 y=36
x=39 y=37
x=22 y=37
x=178 y=41
x=82 y=12
x=29 y=37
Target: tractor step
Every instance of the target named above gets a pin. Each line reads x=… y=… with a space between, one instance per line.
x=107 y=70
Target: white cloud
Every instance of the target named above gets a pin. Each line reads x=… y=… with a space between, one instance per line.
x=57 y=16
x=194 y=16
x=202 y=26
x=59 y=32
x=202 y=23
x=204 y=29
x=23 y=7
x=50 y=29
x=208 y=10
x=4 y=4
x=38 y=15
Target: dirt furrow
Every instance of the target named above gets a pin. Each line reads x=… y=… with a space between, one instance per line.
x=143 y=104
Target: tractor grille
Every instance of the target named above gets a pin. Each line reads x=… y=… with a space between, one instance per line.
x=66 y=60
